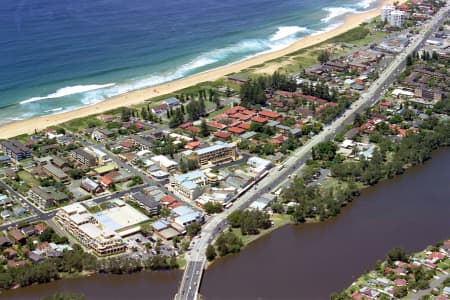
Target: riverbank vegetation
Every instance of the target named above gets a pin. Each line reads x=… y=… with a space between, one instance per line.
x=77 y=262
x=401 y=275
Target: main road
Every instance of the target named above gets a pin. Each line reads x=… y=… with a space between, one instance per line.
x=196 y=260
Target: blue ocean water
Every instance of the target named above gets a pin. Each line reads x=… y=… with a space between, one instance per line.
x=61 y=55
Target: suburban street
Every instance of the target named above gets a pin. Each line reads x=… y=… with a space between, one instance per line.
x=191 y=280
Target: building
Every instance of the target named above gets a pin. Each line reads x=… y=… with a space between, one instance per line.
x=102 y=157
x=397 y=18
x=220 y=152
x=56 y=173
x=15 y=150
x=80 y=223
x=151 y=206
x=189 y=185
x=259 y=163
x=46 y=197
x=386 y=11
x=185 y=215
x=164 y=163
x=84 y=158
x=91 y=186
x=171 y=102
x=216 y=195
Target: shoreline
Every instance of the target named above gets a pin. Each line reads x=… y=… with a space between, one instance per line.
x=141 y=95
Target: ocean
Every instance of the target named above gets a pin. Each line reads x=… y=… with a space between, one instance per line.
x=60 y=55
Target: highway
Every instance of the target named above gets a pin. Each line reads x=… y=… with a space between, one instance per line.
x=190 y=284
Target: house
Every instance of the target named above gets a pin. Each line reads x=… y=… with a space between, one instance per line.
x=159 y=109
x=5 y=214
x=192 y=145
x=10 y=253
x=259 y=120
x=28 y=230
x=269 y=114
x=106 y=118
x=39 y=228
x=35 y=257
x=100 y=134
x=236 y=130
x=17 y=236
x=216 y=125
x=4 y=242
x=13 y=264
x=91 y=186
x=223 y=135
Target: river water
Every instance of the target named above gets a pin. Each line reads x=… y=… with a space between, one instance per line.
x=307 y=261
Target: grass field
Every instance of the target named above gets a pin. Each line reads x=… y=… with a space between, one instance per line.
x=28 y=178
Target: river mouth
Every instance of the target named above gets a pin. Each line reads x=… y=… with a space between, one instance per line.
x=308 y=261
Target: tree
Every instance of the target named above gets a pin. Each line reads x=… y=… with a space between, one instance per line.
x=212 y=208
x=228 y=242
x=396 y=254
x=210 y=252
x=65 y=296
x=193 y=229
x=204 y=131
x=323 y=57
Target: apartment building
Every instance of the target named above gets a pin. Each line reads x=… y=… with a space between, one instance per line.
x=80 y=223
x=15 y=150
x=83 y=157
x=218 y=153
x=189 y=185
x=46 y=197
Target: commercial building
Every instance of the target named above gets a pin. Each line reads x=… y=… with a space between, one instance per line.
x=189 y=185
x=164 y=163
x=80 y=223
x=216 y=196
x=15 y=150
x=185 y=215
x=220 y=152
x=84 y=158
x=46 y=197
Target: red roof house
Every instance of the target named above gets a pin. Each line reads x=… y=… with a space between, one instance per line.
x=269 y=114
x=236 y=130
x=259 y=120
x=222 y=135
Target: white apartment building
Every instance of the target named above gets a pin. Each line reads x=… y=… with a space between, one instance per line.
x=386 y=12
x=80 y=223
x=397 y=18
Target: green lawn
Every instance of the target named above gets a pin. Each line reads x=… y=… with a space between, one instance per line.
x=28 y=178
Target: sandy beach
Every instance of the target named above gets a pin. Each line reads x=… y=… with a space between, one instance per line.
x=138 y=96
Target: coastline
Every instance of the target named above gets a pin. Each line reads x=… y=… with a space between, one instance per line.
x=139 y=96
